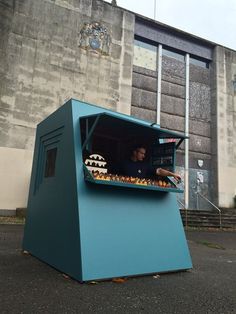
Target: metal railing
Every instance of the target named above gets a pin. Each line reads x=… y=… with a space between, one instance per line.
x=206 y=199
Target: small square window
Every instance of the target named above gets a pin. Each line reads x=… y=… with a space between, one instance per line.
x=50 y=165
x=234 y=84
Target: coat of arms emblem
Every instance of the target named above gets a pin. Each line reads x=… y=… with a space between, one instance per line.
x=95 y=37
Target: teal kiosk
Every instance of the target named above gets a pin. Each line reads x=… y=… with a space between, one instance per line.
x=91 y=227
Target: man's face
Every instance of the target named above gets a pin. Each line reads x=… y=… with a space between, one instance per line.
x=140 y=153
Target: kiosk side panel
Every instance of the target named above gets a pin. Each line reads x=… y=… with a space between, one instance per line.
x=52 y=225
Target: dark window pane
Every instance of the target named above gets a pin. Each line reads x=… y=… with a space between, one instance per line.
x=50 y=162
x=144 y=45
x=200 y=63
x=173 y=54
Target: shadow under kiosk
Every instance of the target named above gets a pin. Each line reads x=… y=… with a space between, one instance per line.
x=91 y=228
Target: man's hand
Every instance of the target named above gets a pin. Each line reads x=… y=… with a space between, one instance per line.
x=177 y=177
x=165 y=173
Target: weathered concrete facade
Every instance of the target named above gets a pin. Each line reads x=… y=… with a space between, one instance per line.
x=42 y=65
x=212 y=122
x=224 y=118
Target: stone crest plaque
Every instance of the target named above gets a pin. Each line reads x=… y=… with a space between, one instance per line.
x=94 y=36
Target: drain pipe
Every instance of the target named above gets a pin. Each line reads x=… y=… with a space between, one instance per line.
x=186 y=161
x=159 y=68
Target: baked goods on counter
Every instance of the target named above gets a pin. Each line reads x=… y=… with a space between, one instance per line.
x=131 y=180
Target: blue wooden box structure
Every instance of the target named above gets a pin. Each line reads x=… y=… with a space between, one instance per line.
x=95 y=229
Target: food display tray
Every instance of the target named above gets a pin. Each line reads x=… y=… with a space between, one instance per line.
x=90 y=178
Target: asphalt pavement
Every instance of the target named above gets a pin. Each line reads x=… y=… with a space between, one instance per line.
x=28 y=285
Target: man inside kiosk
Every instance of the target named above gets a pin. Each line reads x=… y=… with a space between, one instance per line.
x=137 y=167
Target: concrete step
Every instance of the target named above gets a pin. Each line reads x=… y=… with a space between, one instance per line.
x=209 y=217
x=21 y=212
x=203 y=218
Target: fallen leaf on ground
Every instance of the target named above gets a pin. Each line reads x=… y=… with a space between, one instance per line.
x=66 y=276
x=25 y=252
x=118 y=280
x=211 y=245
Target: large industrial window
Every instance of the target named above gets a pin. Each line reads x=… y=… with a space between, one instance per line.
x=145 y=55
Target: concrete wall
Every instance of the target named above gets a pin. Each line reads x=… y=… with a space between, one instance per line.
x=15 y=170
x=42 y=65
x=225 y=119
